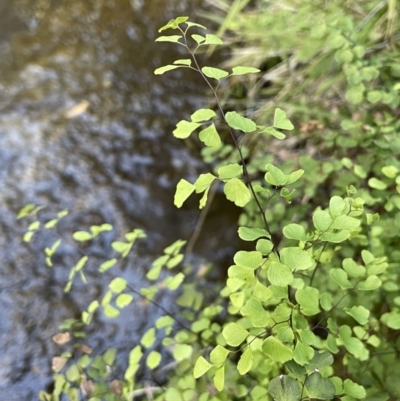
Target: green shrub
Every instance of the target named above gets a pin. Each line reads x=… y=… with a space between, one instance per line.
x=312 y=311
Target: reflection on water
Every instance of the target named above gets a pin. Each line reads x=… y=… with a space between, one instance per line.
x=85 y=125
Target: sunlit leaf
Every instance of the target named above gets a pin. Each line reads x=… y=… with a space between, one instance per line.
x=212 y=40
x=201 y=367
x=123 y=300
x=108 y=264
x=153 y=359
x=185 y=61
x=215 y=73
x=183 y=190
x=281 y=121
x=171 y=38
x=277 y=351
x=202 y=115
x=251 y=234
x=240 y=70
x=117 y=285
x=237 y=121
x=234 y=334
x=237 y=192
x=81 y=236
x=245 y=362
x=218 y=355
x=219 y=378
x=210 y=137
x=184 y=129
x=198 y=38
x=165 y=68
x=203 y=182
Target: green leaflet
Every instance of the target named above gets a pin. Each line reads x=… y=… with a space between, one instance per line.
x=325 y=300
x=117 y=285
x=285 y=334
x=255 y=312
x=210 y=137
x=162 y=70
x=236 y=121
x=82 y=236
x=171 y=38
x=376 y=184
x=371 y=283
x=173 y=24
x=199 y=39
x=111 y=312
x=279 y=274
x=339 y=276
x=281 y=121
x=319 y=387
x=284 y=388
x=296 y=258
x=123 y=300
x=218 y=355
x=261 y=292
x=322 y=220
x=122 y=247
x=319 y=361
x=230 y=171
x=273 y=132
x=251 y=259
x=264 y=246
x=186 y=61
x=215 y=73
x=239 y=70
x=153 y=359
x=391 y=319
x=173 y=394
x=245 y=362
x=302 y=353
x=234 y=334
x=359 y=313
x=337 y=206
x=184 y=129
x=251 y=234
x=183 y=190
x=308 y=298
x=149 y=338
x=212 y=40
x=219 y=378
x=242 y=273
x=73 y=373
x=352 y=268
x=345 y=223
x=237 y=192
x=202 y=114
x=354 y=390
x=174 y=282
x=275 y=176
x=201 y=367
x=335 y=237
x=352 y=344
x=277 y=351
x=295 y=231
x=182 y=351
x=298 y=371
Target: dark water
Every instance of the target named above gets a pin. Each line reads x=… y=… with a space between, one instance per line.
x=115 y=161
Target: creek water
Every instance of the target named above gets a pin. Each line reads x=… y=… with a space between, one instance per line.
x=86 y=126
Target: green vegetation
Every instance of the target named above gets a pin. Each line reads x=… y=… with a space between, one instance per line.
x=312 y=311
